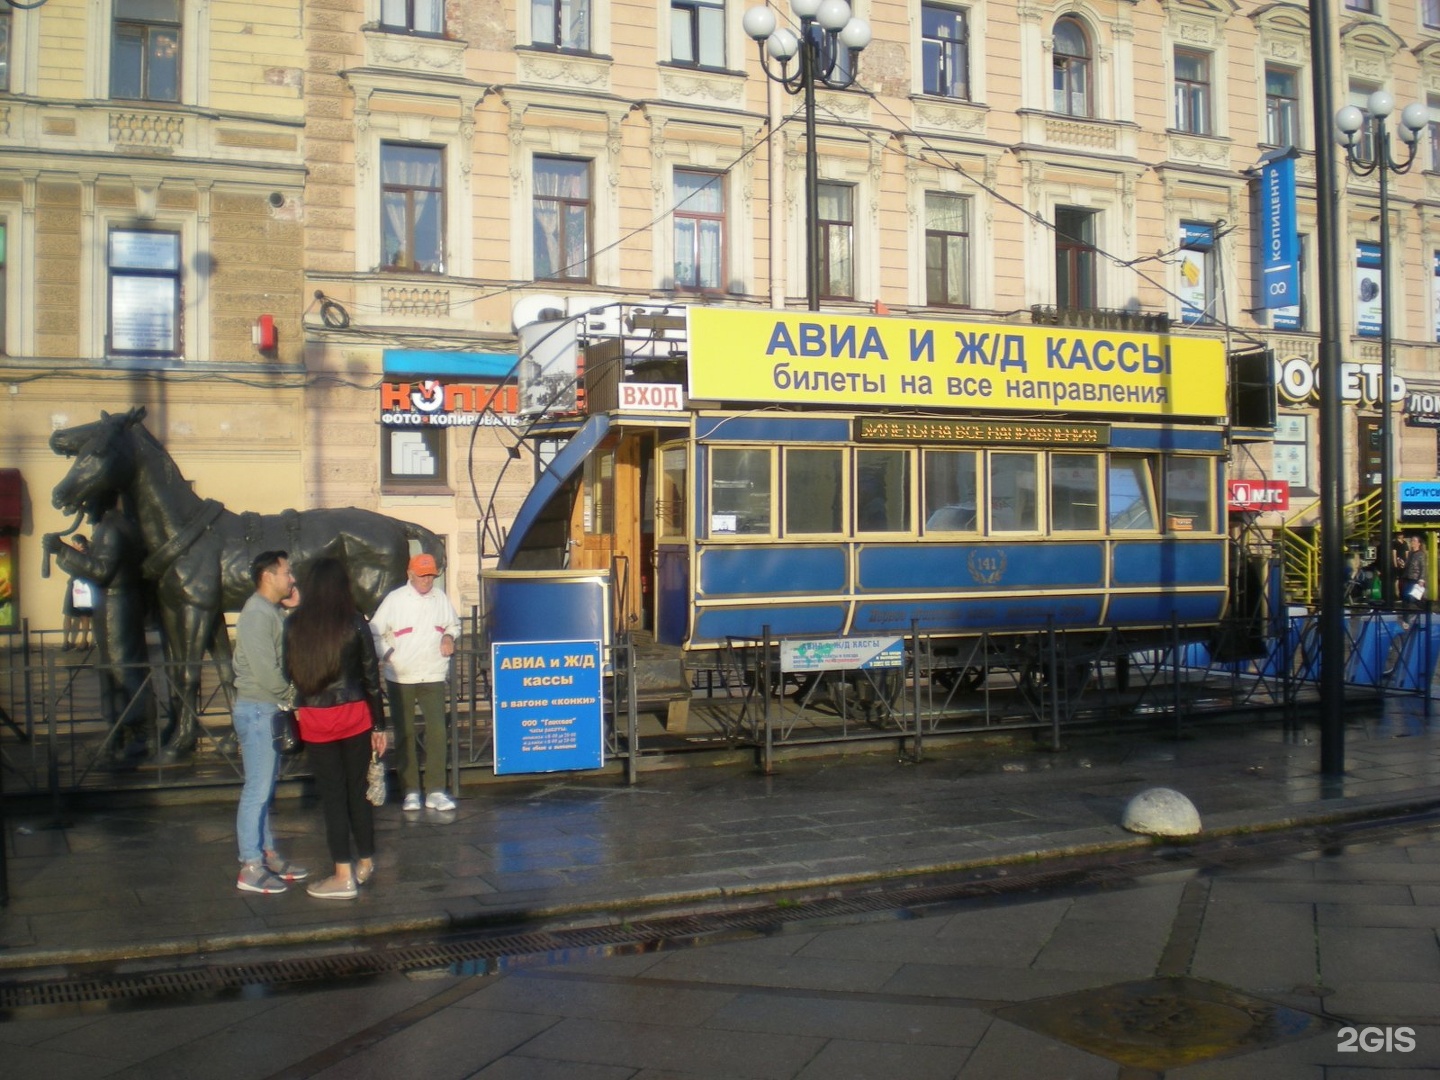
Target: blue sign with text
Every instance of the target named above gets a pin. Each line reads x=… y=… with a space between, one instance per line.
x=1279 y=236
x=548 y=706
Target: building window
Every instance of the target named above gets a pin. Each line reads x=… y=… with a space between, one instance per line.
x=562 y=219
x=413 y=16
x=412 y=457
x=837 y=241
x=1192 y=91
x=4 y=280
x=1366 y=6
x=5 y=48
x=1433 y=130
x=412 y=197
x=699 y=230
x=1197 y=272
x=1365 y=137
x=1430 y=14
x=947 y=250
x=1070 y=81
x=145 y=51
x=697 y=33
x=1074 y=257
x=1292 y=450
x=1282 y=106
x=561 y=24
x=144 y=270
x=944 y=47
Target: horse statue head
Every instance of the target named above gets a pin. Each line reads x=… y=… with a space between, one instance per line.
x=104 y=460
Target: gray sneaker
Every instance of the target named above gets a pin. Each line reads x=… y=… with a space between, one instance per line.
x=254 y=877
x=284 y=869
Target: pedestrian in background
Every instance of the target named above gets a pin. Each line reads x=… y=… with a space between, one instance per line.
x=260 y=687
x=1412 y=572
x=79 y=605
x=415 y=631
x=330 y=657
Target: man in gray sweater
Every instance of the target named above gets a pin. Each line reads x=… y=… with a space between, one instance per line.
x=260 y=686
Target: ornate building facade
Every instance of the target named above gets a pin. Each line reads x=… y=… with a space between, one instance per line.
x=403 y=183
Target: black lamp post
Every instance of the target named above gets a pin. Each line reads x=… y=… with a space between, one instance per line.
x=1350 y=121
x=825 y=25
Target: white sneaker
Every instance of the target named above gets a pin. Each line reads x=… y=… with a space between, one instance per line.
x=439 y=800
x=412 y=801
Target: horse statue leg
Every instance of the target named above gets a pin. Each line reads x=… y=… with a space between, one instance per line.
x=188 y=630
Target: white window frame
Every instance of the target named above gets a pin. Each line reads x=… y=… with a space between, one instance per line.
x=194 y=346
x=600 y=40
x=195 y=35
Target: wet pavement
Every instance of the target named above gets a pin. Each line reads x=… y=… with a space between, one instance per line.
x=1245 y=970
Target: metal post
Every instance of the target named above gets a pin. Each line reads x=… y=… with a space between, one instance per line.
x=1331 y=435
x=808 y=46
x=1054 y=684
x=632 y=717
x=918 y=752
x=1387 y=420
x=762 y=677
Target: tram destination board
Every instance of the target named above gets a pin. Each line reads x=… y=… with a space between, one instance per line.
x=548 y=706
x=981 y=432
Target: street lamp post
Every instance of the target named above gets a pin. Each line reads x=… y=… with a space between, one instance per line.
x=824 y=26
x=1350 y=121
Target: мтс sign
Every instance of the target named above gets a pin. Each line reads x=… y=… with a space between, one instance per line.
x=1256 y=496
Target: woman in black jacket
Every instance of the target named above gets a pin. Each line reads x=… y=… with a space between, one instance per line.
x=330 y=657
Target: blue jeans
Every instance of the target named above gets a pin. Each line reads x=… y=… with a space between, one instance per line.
x=262 y=767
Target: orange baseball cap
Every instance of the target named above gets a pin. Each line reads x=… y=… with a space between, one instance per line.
x=423 y=566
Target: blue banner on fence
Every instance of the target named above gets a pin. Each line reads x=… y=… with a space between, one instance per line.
x=548 y=706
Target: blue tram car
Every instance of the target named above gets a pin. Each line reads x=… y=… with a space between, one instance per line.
x=736 y=472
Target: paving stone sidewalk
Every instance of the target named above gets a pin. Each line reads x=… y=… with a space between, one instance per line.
x=159 y=880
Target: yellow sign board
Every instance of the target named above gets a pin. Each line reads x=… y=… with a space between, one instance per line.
x=813 y=358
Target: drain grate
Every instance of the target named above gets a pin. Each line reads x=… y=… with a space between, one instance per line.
x=501 y=949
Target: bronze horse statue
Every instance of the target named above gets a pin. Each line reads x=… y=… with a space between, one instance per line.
x=199 y=553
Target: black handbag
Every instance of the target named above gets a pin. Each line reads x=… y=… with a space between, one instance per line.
x=285 y=732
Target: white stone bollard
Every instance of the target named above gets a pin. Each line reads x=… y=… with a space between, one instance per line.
x=1161 y=812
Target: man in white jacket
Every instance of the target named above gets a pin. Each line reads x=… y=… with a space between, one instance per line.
x=415 y=630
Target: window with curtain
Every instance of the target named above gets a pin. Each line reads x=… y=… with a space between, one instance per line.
x=1192 y=91
x=144 y=271
x=836 y=213
x=697 y=33
x=1075 y=257
x=412 y=200
x=413 y=16
x=562 y=219
x=699 y=230
x=1070 y=71
x=944 y=51
x=561 y=24
x=1130 y=491
x=947 y=250
x=145 y=50
x=1282 y=106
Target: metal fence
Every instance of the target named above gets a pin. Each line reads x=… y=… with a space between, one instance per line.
x=64 y=729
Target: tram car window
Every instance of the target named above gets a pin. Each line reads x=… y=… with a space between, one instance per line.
x=1132 y=493
x=670 y=509
x=1075 y=493
x=740 y=487
x=950 y=491
x=1189 y=482
x=1014 y=485
x=814 y=491
x=882 y=491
